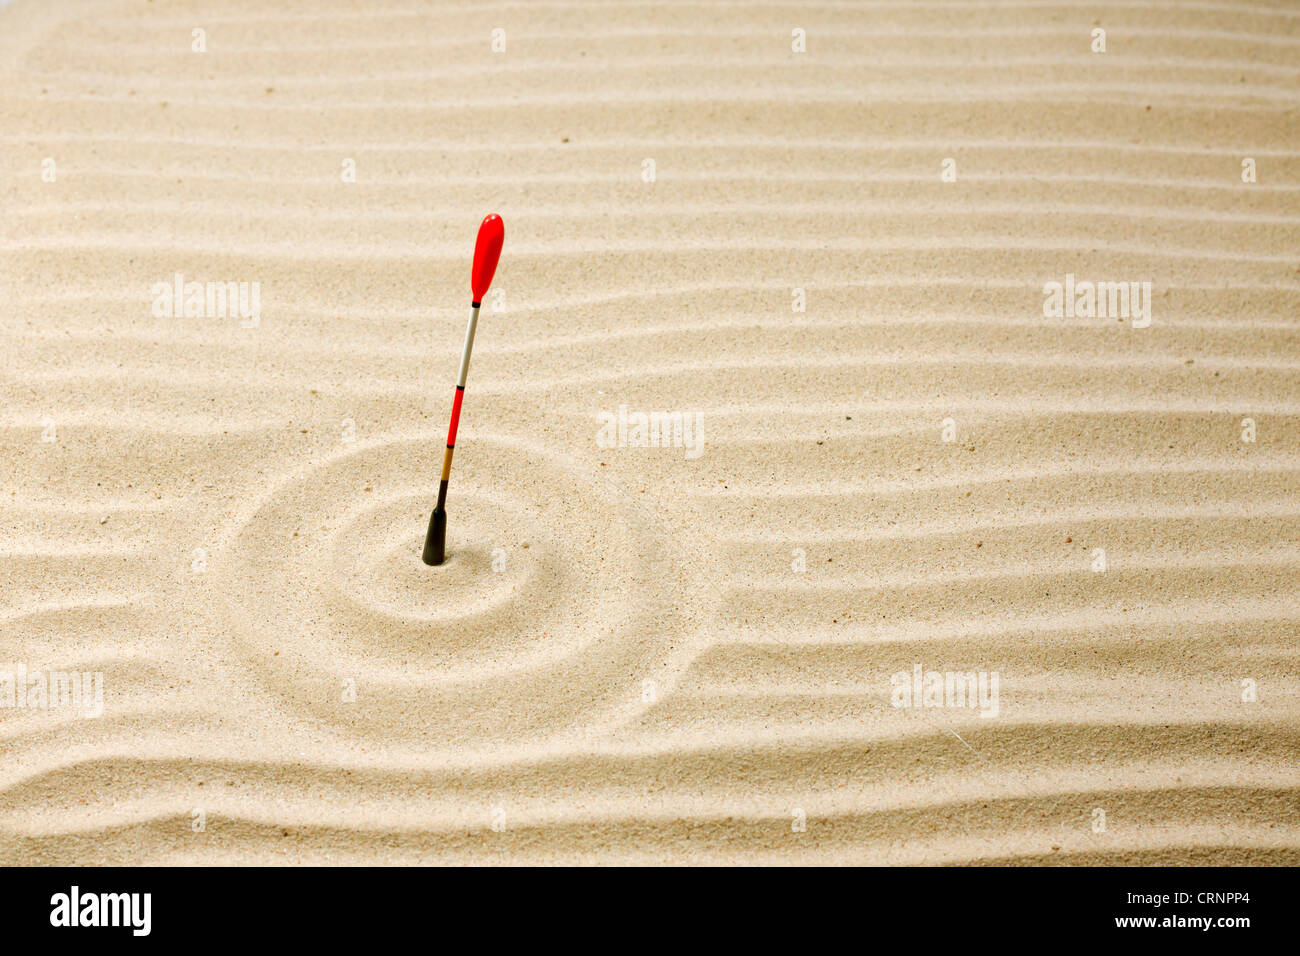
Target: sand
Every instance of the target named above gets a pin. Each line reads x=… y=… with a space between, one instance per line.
x=652 y=654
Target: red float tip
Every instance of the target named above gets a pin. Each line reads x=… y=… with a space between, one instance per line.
x=487 y=250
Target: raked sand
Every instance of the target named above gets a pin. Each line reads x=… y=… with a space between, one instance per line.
x=643 y=655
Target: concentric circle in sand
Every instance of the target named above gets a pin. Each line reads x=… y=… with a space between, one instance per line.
x=550 y=611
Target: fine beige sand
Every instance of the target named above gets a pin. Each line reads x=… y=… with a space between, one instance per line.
x=637 y=655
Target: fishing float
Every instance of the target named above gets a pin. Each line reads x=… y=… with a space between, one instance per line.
x=487 y=251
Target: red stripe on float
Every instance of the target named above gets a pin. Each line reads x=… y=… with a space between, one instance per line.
x=455 y=418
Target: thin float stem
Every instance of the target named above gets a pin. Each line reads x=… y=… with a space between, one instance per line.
x=455 y=406
x=435 y=541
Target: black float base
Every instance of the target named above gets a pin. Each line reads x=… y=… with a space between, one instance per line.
x=435 y=542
